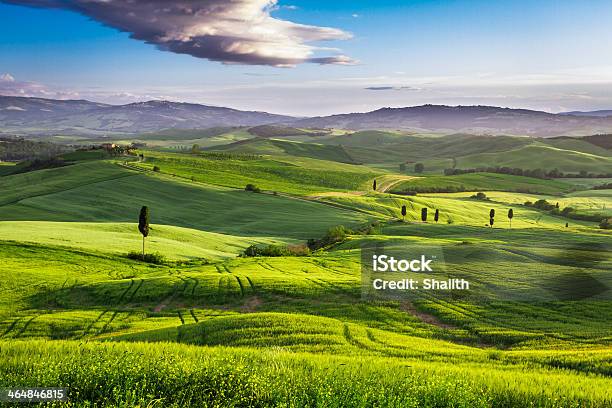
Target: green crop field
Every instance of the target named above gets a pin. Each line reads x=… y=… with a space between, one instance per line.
x=483 y=181
x=545 y=157
x=207 y=326
x=296 y=175
x=291 y=148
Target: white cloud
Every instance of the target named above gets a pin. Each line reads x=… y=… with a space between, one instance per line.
x=232 y=32
x=7 y=78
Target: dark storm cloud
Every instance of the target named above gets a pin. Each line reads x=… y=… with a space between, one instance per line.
x=228 y=31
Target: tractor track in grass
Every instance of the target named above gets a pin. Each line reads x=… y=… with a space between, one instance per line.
x=478 y=317
x=193 y=315
x=92 y=324
x=103 y=329
x=241 y=286
x=328 y=286
x=323 y=265
x=136 y=290
x=225 y=287
x=25 y=326
x=126 y=291
x=265 y=266
x=175 y=291
x=251 y=284
x=195 y=285
x=348 y=336
x=12 y=326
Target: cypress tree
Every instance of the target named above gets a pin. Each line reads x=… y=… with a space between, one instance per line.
x=143 y=226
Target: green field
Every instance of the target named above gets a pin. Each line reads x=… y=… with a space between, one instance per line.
x=542 y=156
x=208 y=327
x=482 y=181
x=290 y=148
x=296 y=175
x=388 y=149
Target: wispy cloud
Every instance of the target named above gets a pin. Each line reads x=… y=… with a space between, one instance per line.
x=232 y=32
x=10 y=86
x=391 y=88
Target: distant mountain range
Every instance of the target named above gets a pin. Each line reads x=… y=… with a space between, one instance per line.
x=46 y=116
x=466 y=119
x=597 y=113
x=36 y=116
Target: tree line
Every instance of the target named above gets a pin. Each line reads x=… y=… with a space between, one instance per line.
x=18 y=149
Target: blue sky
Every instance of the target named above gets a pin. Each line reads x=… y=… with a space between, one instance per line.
x=548 y=55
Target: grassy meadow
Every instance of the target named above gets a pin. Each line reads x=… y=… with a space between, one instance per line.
x=208 y=326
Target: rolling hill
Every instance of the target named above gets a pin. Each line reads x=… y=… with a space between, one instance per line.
x=540 y=156
x=283 y=147
x=207 y=327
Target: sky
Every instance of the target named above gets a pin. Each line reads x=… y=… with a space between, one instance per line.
x=315 y=57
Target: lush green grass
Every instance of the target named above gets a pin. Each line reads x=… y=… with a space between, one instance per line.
x=328 y=333
x=104 y=192
x=291 y=148
x=175 y=243
x=296 y=175
x=6 y=168
x=86 y=155
x=587 y=183
x=181 y=375
x=540 y=156
x=454 y=209
x=387 y=150
x=296 y=331
x=484 y=181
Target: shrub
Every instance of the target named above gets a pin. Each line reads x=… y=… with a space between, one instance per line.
x=253 y=188
x=277 y=250
x=480 y=196
x=541 y=205
x=156 y=169
x=334 y=235
x=154 y=258
x=606 y=224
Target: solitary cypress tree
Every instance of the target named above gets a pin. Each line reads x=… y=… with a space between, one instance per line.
x=374 y=185
x=143 y=226
x=510 y=216
x=424 y=215
x=492 y=213
x=437 y=215
x=403 y=212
